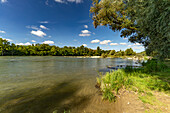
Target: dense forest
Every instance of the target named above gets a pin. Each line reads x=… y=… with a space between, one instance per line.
x=7 y=49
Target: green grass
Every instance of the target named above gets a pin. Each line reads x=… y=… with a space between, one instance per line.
x=138 y=80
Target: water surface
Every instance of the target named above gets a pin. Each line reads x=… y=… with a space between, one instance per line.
x=52 y=84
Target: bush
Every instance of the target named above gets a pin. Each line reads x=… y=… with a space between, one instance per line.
x=154 y=66
x=140 y=82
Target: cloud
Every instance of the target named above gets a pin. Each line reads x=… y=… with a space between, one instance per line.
x=84 y=45
x=129 y=45
x=137 y=44
x=86 y=26
x=48 y=42
x=43 y=27
x=59 y=1
x=32 y=27
x=77 y=1
x=105 y=42
x=114 y=44
x=123 y=44
x=44 y=22
x=95 y=41
x=2 y=31
x=125 y=38
x=3 y=1
x=66 y=1
x=38 y=33
x=85 y=33
x=7 y=39
x=24 y=44
x=138 y=47
x=33 y=41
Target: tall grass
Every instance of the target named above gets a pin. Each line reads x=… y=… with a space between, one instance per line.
x=140 y=82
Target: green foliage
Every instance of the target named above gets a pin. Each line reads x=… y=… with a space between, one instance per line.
x=152 y=17
x=135 y=80
x=107 y=94
x=143 y=21
x=129 y=52
x=104 y=55
x=112 y=52
x=7 y=49
x=154 y=66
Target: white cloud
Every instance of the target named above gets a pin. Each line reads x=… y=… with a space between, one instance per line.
x=3 y=1
x=59 y=1
x=77 y=1
x=84 y=45
x=44 y=22
x=24 y=44
x=86 y=26
x=95 y=41
x=105 y=42
x=137 y=44
x=125 y=38
x=7 y=39
x=66 y=1
x=114 y=44
x=129 y=45
x=85 y=33
x=33 y=41
x=32 y=27
x=48 y=42
x=123 y=44
x=2 y=31
x=38 y=33
x=138 y=47
x=43 y=27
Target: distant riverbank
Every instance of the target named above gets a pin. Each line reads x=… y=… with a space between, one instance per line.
x=123 y=57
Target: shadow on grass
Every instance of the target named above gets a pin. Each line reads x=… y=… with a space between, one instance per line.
x=44 y=100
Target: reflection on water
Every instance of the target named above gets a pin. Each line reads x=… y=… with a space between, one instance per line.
x=47 y=84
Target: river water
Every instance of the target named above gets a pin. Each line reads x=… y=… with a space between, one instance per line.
x=53 y=84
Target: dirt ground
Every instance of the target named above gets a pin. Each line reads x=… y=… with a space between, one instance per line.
x=127 y=102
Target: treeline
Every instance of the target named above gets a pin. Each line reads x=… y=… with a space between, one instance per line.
x=7 y=49
x=127 y=52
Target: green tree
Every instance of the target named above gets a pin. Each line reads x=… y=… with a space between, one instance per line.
x=4 y=46
x=112 y=52
x=142 y=21
x=129 y=52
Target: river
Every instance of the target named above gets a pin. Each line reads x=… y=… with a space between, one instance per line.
x=53 y=84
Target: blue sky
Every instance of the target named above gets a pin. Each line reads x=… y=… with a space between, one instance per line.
x=56 y=22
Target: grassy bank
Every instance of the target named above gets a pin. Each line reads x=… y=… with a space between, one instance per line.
x=153 y=77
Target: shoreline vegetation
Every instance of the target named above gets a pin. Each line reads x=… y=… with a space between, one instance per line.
x=7 y=49
x=147 y=83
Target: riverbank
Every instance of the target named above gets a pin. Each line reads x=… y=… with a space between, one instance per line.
x=123 y=57
x=151 y=90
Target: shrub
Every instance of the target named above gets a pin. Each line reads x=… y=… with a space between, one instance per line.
x=140 y=82
x=154 y=66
